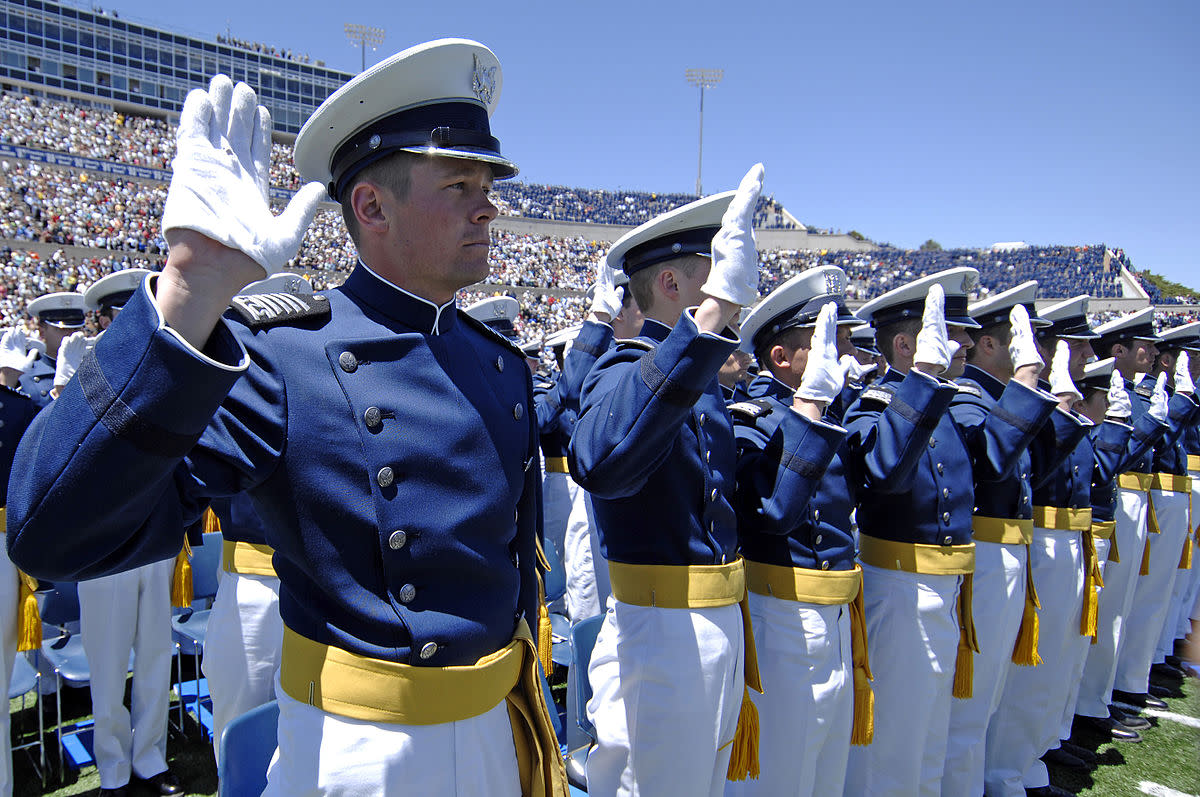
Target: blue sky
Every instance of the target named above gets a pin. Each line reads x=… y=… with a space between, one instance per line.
x=970 y=123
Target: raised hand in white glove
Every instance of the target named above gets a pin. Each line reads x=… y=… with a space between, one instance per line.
x=1183 y=375
x=221 y=174
x=1158 y=400
x=1022 y=348
x=1060 y=373
x=734 y=273
x=13 y=350
x=1119 y=403
x=70 y=355
x=934 y=347
x=824 y=377
x=854 y=369
x=608 y=296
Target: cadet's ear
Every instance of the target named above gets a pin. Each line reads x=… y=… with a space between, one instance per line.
x=366 y=202
x=905 y=346
x=666 y=284
x=779 y=357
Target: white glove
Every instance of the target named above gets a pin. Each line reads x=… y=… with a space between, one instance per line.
x=824 y=377
x=734 y=273
x=1158 y=400
x=933 y=341
x=70 y=355
x=608 y=295
x=1183 y=375
x=1060 y=372
x=13 y=354
x=221 y=176
x=1022 y=348
x=1119 y=404
x=854 y=369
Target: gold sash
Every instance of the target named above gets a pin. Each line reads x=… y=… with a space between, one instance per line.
x=247 y=558
x=1135 y=481
x=556 y=465
x=1002 y=531
x=1061 y=518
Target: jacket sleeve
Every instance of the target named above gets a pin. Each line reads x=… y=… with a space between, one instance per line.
x=1109 y=444
x=593 y=340
x=777 y=476
x=633 y=403
x=998 y=437
x=887 y=440
x=1147 y=431
x=108 y=477
x=1055 y=442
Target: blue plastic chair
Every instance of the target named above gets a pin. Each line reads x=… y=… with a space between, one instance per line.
x=190 y=627
x=583 y=639
x=555 y=583
x=246 y=749
x=25 y=680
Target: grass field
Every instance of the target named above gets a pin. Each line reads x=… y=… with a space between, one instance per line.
x=1169 y=756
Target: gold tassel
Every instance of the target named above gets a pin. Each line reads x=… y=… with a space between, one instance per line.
x=1152 y=516
x=743 y=758
x=1145 y=568
x=1025 y=651
x=212 y=523
x=1091 y=601
x=964 y=665
x=863 y=730
x=181 y=578
x=545 y=640
x=29 y=619
x=1185 y=559
x=1114 y=553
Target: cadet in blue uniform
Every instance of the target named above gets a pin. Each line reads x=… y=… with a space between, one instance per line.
x=1004 y=358
x=1132 y=342
x=805 y=587
x=385 y=438
x=58 y=316
x=1188 y=337
x=915 y=533
x=654 y=446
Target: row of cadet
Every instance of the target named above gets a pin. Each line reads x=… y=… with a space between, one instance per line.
x=796 y=592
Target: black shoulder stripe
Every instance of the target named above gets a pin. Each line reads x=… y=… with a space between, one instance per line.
x=750 y=410
x=261 y=310
x=1145 y=389
x=493 y=334
x=879 y=394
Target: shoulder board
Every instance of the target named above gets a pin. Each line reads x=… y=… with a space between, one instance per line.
x=1145 y=389
x=633 y=343
x=750 y=410
x=969 y=389
x=493 y=334
x=261 y=310
x=882 y=395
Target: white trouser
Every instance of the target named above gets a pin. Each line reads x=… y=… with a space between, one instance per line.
x=241 y=652
x=9 y=590
x=667 y=688
x=1027 y=720
x=588 y=585
x=1150 y=597
x=1075 y=678
x=1188 y=606
x=324 y=754
x=912 y=638
x=1180 y=591
x=1120 y=580
x=119 y=613
x=807 y=707
x=997 y=604
x=558 y=493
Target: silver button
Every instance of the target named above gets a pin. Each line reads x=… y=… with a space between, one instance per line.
x=825 y=565
x=816 y=516
x=518 y=411
x=348 y=362
x=945 y=492
x=407 y=593
x=37 y=379
x=500 y=364
x=818 y=540
x=712 y=527
x=386 y=476
x=428 y=649
x=707 y=456
x=703 y=418
x=1024 y=499
x=933 y=442
x=1024 y=475
x=45 y=392
x=372 y=417
x=947 y=539
x=398 y=539
x=1077 y=469
x=940 y=469
x=713 y=495
x=946 y=518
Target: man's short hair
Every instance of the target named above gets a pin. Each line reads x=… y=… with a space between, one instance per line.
x=790 y=339
x=393 y=173
x=1103 y=348
x=642 y=282
x=1002 y=332
x=887 y=333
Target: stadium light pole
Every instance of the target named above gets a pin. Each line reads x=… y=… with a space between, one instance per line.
x=705 y=79
x=361 y=36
